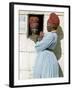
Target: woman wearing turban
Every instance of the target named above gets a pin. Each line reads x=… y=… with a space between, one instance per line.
x=46 y=64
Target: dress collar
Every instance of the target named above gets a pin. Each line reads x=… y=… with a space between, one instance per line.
x=54 y=31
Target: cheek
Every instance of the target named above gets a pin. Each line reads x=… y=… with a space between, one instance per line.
x=34 y=25
x=49 y=28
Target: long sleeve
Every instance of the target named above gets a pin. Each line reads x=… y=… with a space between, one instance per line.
x=45 y=42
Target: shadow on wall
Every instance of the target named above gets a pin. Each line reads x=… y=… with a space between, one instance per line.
x=58 y=50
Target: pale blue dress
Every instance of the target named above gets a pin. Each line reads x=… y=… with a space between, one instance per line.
x=46 y=64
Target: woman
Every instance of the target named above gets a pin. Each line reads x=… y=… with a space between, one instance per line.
x=46 y=64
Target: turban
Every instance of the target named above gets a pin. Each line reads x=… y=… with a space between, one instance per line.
x=53 y=20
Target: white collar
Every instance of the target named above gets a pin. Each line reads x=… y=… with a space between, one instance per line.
x=54 y=31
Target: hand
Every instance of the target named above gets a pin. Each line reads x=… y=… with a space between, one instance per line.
x=41 y=35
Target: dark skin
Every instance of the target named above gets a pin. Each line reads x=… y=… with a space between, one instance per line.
x=49 y=29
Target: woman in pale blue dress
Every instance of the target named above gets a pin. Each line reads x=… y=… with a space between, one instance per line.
x=46 y=64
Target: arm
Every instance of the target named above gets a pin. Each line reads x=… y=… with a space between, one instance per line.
x=44 y=43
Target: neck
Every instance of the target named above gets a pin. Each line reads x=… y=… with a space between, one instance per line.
x=33 y=33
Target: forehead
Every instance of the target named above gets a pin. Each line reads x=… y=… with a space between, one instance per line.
x=34 y=18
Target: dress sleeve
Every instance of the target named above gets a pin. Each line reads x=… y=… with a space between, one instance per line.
x=44 y=43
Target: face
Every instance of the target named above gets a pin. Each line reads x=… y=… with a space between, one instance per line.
x=49 y=27
x=34 y=23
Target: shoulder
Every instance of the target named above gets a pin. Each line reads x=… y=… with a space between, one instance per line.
x=48 y=35
x=51 y=34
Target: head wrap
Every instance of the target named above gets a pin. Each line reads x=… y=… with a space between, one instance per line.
x=54 y=20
